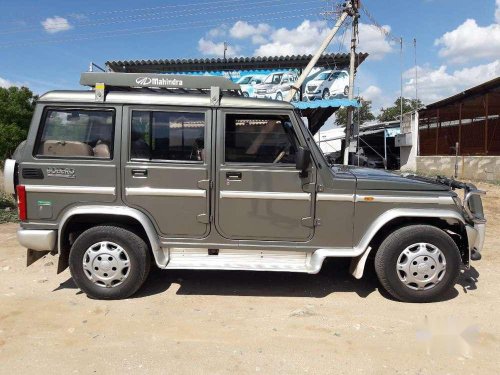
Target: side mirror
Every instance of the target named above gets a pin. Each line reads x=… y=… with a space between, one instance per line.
x=302 y=159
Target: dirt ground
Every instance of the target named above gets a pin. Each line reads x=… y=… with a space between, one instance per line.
x=221 y=322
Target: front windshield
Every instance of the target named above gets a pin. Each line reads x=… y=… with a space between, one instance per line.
x=323 y=76
x=336 y=75
x=244 y=80
x=274 y=78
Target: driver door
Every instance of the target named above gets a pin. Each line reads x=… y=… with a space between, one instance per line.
x=260 y=194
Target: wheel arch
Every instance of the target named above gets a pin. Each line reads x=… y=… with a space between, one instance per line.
x=78 y=219
x=450 y=221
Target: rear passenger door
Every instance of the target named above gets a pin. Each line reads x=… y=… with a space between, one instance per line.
x=166 y=168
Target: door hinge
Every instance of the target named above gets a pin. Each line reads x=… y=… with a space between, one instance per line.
x=203 y=218
x=205 y=184
x=311 y=222
x=309 y=188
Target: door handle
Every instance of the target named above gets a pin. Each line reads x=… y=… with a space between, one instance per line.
x=233 y=176
x=140 y=173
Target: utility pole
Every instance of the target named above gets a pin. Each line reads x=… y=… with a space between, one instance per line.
x=401 y=76
x=225 y=49
x=416 y=73
x=350 y=9
x=350 y=110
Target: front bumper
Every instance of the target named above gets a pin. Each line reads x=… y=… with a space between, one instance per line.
x=475 y=236
x=37 y=239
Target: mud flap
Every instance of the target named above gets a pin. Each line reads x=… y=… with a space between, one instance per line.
x=33 y=256
x=357 y=266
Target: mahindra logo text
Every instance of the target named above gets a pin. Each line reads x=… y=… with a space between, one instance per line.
x=60 y=172
x=158 y=82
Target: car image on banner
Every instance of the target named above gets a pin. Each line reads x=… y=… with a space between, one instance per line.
x=276 y=85
x=328 y=84
x=248 y=83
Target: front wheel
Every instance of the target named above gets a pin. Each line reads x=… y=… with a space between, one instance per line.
x=108 y=262
x=326 y=94
x=279 y=96
x=418 y=263
x=346 y=91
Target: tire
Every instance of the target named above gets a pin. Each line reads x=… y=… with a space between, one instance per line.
x=245 y=94
x=326 y=94
x=128 y=262
x=279 y=96
x=346 y=91
x=409 y=254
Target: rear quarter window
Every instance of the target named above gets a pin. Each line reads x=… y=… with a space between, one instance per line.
x=76 y=133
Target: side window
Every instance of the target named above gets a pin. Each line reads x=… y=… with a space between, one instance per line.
x=77 y=133
x=157 y=135
x=259 y=139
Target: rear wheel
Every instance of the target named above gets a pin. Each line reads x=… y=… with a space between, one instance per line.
x=418 y=263
x=279 y=96
x=108 y=262
x=346 y=91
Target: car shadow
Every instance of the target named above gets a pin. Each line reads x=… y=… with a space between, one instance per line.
x=469 y=279
x=333 y=278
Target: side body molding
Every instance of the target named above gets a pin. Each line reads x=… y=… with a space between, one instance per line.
x=319 y=255
x=160 y=257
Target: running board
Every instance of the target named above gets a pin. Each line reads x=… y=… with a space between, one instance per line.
x=250 y=260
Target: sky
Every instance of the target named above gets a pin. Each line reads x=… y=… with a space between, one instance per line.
x=46 y=45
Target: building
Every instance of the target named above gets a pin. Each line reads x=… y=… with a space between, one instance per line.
x=460 y=135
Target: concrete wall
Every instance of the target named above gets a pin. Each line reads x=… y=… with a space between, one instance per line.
x=481 y=168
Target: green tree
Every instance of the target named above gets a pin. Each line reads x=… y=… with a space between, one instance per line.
x=16 y=109
x=365 y=113
x=392 y=113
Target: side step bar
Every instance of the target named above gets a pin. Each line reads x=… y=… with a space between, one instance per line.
x=250 y=260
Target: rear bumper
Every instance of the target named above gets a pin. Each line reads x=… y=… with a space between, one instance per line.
x=37 y=239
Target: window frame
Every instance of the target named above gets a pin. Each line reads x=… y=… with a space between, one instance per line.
x=131 y=109
x=42 y=124
x=242 y=112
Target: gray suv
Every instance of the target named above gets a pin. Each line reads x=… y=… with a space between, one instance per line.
x=185 y=173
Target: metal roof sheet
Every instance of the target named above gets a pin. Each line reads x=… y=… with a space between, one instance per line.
x=232 y=63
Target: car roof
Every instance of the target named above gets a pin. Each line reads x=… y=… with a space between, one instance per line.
x=160 y=98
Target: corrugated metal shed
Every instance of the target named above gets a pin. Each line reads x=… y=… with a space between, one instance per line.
x=339 y=60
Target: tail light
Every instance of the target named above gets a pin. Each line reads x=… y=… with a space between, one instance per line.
x=21 y=202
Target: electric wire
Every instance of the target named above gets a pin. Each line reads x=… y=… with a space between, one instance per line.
x=160 y=28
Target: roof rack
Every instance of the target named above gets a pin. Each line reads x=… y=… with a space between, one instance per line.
x=178 y=83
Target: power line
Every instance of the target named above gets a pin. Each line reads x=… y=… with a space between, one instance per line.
x=147 y=17
x=159 y=28
x=141 y=9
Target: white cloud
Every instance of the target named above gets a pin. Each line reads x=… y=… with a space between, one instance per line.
x=469 y=42
x=376 y=95
x=372 y=41
x=211 y=48
x=217 y=32
x=436 y=84
x=242 y=30
x=56 y=24
x=304 y=39
x=5 y=83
